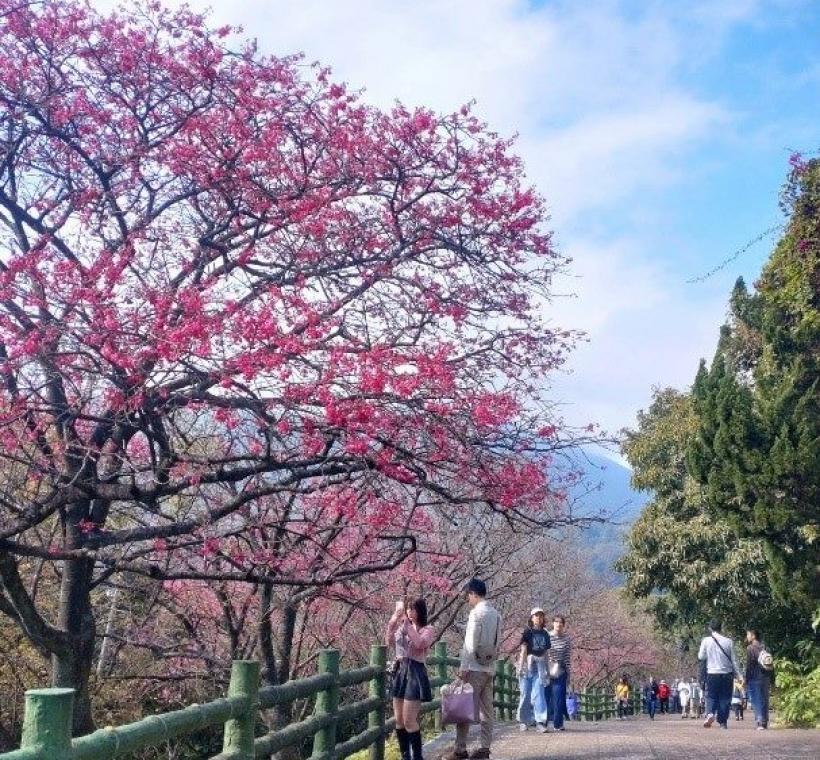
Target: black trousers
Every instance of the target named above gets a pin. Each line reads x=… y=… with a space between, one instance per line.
x=719 y=687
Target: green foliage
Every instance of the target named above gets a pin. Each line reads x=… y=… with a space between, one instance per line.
x=686 y=563
x=798 y=703
x=756 y=453
x=798 y=681
x=734 y=468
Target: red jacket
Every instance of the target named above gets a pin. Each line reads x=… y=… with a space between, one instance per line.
x=663 y=691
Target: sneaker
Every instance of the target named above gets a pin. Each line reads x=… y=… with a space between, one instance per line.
x=542 y=729
x=710 y=719
x=456 y=754
x=522 y=726
x=560 y=729
x=724 y=725
x=482 y=753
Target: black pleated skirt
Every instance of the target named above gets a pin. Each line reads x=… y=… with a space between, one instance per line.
x=410 y=681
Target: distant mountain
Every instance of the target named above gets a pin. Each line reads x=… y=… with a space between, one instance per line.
x=606 y=490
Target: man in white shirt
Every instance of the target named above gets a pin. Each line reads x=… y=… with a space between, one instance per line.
x=482 y=623
x=721 y=670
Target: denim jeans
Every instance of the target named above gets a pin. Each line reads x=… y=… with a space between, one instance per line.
x=651 y=706
x=556 y=694
x=532 y=706
x=719 y=688
x=759 y=697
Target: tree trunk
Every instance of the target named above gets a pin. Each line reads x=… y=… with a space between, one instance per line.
x=76 y=617
x=277 y=669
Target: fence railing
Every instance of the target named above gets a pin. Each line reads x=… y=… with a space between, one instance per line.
x=600 y=704
x=47 y=717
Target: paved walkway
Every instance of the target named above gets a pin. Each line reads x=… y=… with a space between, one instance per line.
x=667 y=738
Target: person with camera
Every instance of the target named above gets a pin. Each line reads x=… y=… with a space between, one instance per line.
x=412 y=636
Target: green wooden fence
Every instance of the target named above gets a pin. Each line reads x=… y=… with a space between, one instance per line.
x=600 y=704
x=47 y=718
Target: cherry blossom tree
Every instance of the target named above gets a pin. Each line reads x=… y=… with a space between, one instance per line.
x=229 y=285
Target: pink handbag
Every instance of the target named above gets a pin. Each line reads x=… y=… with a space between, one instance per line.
x=458 y=703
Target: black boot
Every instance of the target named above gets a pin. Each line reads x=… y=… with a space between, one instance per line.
x=403 y=738
x=415 y=745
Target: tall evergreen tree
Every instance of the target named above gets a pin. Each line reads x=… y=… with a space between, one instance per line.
x=756 y=452
x=687 y=563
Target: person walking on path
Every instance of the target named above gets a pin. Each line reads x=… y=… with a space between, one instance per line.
x=721 y=668
x=695 y=698
x=737 y=699
x=573 y=706
x=663 y=697
x=758 y=677
x=478 y=656
x=674 y=701
x=408 y=630
x=532 y=672
x=622 y=697
x=559 y=662
x=650 y=695
x=684 y=694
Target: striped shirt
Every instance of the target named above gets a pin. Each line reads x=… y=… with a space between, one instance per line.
x=560 y=649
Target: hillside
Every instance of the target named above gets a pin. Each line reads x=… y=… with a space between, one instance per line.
x=608 y=492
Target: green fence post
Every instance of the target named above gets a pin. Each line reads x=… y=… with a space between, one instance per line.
x=583 y=705
x=327 y=703
x=47 y=722
x=239 y=732
x=441 y=674
x=375 y=718
x=510 y=668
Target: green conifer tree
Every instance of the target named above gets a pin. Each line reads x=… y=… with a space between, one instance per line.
x=756 y=452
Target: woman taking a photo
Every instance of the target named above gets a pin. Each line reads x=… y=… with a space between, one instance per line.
x=412 y=637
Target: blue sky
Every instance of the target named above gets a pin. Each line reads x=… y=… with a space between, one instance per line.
x=658 y=132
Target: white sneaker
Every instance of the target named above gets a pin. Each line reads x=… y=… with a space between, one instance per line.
x=710 y=719
x=522 y=726
x=542 y=729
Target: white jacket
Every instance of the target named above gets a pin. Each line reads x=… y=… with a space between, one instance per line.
x=487 y=614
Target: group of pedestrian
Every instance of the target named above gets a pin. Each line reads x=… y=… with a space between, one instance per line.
x=722 y=687
x=409 y=632
x=543 y=675
x=543 y=672
x=682 y=696
x=726 y=684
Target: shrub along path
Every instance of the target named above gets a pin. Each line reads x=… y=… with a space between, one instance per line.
x=667 y=738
